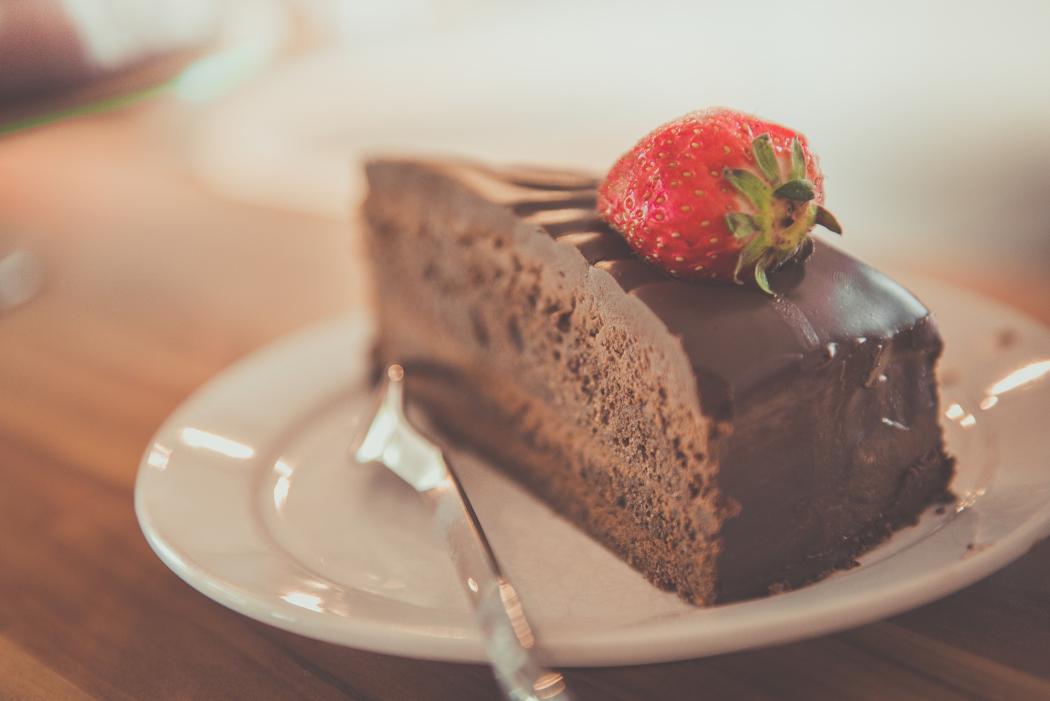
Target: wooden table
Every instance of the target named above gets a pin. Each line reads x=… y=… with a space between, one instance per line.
x=153 y=285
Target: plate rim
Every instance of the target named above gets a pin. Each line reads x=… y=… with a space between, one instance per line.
x=674 y=639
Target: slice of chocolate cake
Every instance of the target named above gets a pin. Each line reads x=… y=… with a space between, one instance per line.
x=724 y=442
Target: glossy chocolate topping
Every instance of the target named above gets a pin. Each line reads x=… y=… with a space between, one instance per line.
x=736 y=337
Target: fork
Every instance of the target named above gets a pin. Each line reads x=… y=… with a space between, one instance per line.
x=510 y=643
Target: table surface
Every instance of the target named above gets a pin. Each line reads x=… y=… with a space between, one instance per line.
x=153 y=284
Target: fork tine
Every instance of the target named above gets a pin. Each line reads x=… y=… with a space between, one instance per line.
x=390 y=440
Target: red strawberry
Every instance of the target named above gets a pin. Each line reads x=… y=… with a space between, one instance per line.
x=717 y=195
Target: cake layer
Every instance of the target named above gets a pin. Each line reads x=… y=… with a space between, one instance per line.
x=723 y=442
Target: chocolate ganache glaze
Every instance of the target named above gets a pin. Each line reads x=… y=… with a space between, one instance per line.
x=823 y=397
x=771 y=369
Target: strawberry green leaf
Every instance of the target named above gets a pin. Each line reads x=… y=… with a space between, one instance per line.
x=760 y=278
x=752 y=251
x=742 y=225
x=762 y=147
x=751 y=186
x=798 y=160
x=739 y=269
x=828 y=220
x=797 y=190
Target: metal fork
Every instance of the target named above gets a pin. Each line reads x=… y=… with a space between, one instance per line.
x=510 y=643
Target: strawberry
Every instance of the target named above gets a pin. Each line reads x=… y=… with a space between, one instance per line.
x=717 y=195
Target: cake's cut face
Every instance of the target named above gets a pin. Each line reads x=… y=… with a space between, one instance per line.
x=723 y=442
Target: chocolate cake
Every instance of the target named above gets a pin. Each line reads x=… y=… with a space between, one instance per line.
x=725 y=443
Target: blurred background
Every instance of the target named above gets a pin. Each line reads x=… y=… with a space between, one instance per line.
x=129 y=126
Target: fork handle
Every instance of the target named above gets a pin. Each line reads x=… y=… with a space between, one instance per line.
x=509 y=640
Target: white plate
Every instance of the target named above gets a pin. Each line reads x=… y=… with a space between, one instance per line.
x=247 y=494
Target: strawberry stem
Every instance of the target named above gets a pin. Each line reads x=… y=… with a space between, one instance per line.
x=784 y=212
